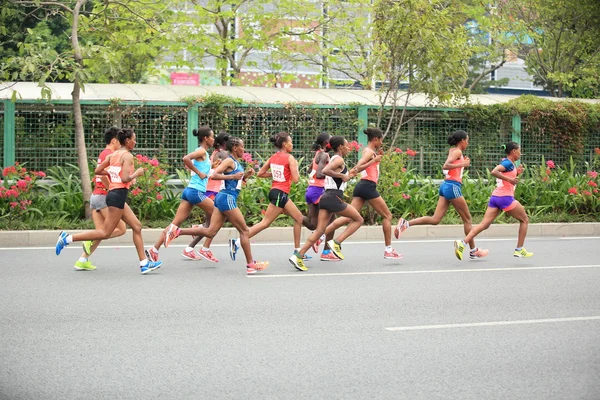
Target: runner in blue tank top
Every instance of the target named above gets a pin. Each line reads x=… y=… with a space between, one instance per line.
x=198 y=162
x=231 y=171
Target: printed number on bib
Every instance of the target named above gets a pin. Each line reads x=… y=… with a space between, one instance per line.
x=277 y=172
x=115 y=173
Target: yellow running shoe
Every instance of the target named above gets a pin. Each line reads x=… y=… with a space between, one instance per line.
x=522 y=253
x=84 y=266
x=459 y=249
x=336 y=249
x=297 y=262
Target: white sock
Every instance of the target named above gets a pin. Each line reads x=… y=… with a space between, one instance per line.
x=473 y=250
x=143 y=263
x=155 y=249
x=297 y=249
x=237 y=242
x=323 y=237
x=388 y=249
x=83 y=259
x=188 y=249
x=205 y=249
x=69 y=239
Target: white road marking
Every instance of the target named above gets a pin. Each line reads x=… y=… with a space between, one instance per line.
x=431 y=271
x=492 y=323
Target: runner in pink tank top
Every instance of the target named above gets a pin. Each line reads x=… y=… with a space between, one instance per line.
x=502 y=199
x=365 y=191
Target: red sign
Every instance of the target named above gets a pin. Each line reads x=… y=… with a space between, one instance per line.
x=183 y=78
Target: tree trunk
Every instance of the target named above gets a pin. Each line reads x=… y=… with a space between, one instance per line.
x=82 y=160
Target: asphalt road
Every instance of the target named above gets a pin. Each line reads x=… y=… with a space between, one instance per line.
x=426 y=327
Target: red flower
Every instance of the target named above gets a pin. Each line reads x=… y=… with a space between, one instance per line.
x=247 y=157
x=592 y=184
x=154 y=162
x=548 y=172
x=403 y=169
x=159 y=196
x=11 y=193
x=21 y=184
x=597 y=150
x=595 y=190
x=592 y=174
x=136 y=191
x=139 y=157
x=550 y=164
x=149 y=201
x=545 y=179
x=398 y=150
x=573 y=190
x=27 y=178
x=411 y=152
x=13 y=204
x=353 y=145
x=41 y=174
x=587 y=193
x=162 y=172
x=396 y=184
x=406 y=196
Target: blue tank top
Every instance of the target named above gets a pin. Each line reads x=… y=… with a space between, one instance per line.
x=196 y=182
x=232 y=186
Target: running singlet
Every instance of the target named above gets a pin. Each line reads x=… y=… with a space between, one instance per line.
x=196 y=182
x=232 y=186
x=454 y=174
x=371 y=173
x=214 y=185
x=312 y=179
x=99 y=187
x=280 y=171
x=504 y=188
x=336 y=183
x=115 y=170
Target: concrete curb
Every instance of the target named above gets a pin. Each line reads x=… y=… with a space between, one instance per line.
x=279 y=235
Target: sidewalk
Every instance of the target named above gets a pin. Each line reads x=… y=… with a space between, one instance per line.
x=284 y=235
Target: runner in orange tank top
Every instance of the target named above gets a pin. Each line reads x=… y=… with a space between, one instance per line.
x=366 y=191
x=502 y=199
x=450 y=193
x=282 y=168
x=119 y=166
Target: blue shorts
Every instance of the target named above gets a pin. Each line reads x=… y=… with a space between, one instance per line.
x=451 y=190
x=225 y=202
x=193 y=196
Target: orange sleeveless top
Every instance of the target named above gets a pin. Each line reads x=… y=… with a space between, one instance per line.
x=115 y=168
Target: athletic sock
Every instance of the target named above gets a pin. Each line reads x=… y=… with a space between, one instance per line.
x=237 y=242
x=388 y=249
x=518 y=249
x=323 y=237
x=189 y=249
x=143 y=263
x=83 y=259
x=205 y=249
x=69 y=239
x=474 y=250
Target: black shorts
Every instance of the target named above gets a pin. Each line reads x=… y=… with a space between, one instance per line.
x=278 y=198
x=332 y=201
x=117 y=198
x=366 y=190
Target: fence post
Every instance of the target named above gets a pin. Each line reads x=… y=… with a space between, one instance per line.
x=192 y=123
x=516 y=129
x=363 y=117
x=9 y=133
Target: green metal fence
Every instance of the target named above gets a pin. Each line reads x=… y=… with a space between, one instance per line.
x=41 y=134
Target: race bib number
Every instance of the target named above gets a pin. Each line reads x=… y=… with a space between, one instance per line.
x=277 y=172
x=115 y=173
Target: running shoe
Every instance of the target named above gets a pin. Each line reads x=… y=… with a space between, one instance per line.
x=306 y=256
x=233 y=249
x=208 y=256
x=191 y=255
x=61 y=243
x=522 y=253
x=151 y=266
x=400 y=228
x=260 y=265
x=336 y=249
x=315 y=246
x=84 y=266
x=151 y=254
x=479 y=253
x=459 y=248
x=250 y=270
x=172 y=233
x=87 y=246
x=297 y=263
x=392 y=255
x=329 y=257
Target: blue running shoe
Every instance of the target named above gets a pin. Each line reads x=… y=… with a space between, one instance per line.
x=305 y=258
x=151 y=266
x=61 y=243
x=233 y=249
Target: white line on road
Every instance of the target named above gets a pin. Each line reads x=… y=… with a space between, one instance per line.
x=492 y=323
x=431 y=271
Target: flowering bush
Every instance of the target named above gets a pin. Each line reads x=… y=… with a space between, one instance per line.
x=16 y=192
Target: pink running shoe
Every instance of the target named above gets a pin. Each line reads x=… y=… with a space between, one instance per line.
x=208 y=255
x=329 y=257
x=400 y=228
x=479 y=253
x=191 y=255
x=260 y=265
x=392 y=255
x=315 y=246
x=172 y=233
x=250 y=270
x=151 y=254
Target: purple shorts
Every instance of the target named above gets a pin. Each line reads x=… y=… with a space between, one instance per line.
x=210 y=194
x=313 y=194
x=505 y=203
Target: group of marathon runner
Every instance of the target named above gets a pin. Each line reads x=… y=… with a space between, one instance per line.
x=217 y=177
